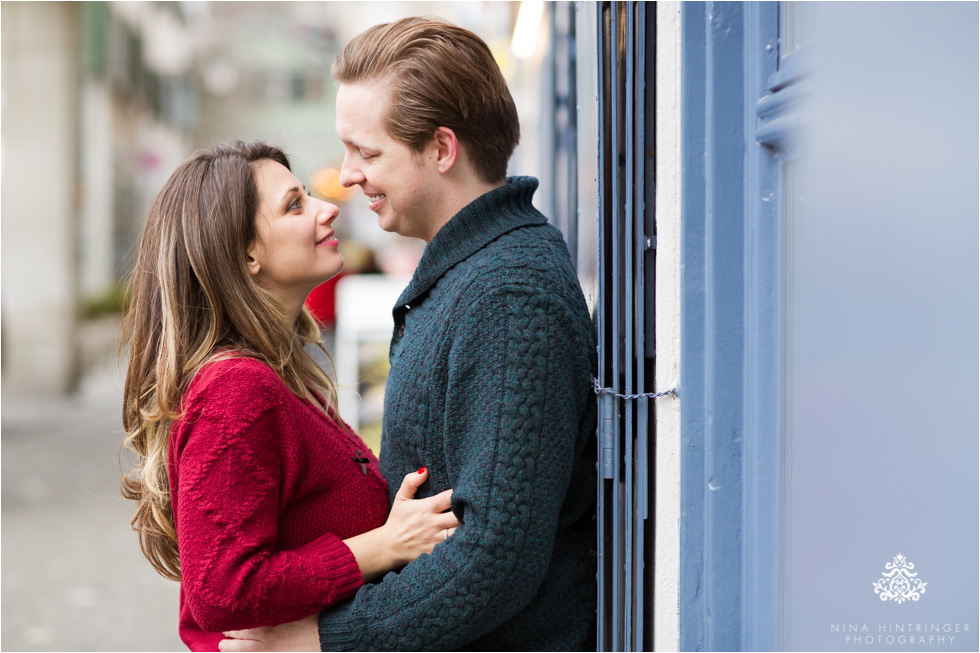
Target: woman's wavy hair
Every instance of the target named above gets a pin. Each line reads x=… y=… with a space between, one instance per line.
x=193 y=301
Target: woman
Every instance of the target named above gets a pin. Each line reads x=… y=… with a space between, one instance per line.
x=250 y=490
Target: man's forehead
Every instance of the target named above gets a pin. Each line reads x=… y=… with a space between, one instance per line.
x=359 y=113
x=359 y=99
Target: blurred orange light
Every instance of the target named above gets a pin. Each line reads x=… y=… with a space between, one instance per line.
x=326 y=182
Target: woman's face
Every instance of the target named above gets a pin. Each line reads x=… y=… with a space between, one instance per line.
x=295 y=249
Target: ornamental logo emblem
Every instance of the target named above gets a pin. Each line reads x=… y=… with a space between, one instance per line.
x=899 y=583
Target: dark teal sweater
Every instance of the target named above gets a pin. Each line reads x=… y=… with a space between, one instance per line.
x=489 y=388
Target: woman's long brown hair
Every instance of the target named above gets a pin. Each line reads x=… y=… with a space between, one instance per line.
x=192 y=299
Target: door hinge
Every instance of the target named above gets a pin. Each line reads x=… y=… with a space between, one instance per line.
x=607 y=422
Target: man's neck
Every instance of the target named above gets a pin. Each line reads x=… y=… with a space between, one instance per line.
x=456 y=198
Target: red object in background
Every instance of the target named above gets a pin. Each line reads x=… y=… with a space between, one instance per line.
x=322 y=302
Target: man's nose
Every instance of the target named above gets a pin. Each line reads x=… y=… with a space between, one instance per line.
x=350 y=175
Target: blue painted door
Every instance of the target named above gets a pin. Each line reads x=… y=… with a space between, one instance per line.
x=829 y=326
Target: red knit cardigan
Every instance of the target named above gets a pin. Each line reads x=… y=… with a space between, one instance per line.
x=265 y=487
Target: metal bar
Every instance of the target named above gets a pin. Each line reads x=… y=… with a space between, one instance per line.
x=573 y=216
x=629 y=358
x=617 y=527
x=601 y=624
x=639 y=241
x=556 y=142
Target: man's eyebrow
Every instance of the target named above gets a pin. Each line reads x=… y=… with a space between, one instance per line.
x=356 y=145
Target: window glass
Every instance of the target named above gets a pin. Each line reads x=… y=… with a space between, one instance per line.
x=795 y=26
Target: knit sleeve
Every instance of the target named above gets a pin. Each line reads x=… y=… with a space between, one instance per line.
x=518 y=385
x=228 y=464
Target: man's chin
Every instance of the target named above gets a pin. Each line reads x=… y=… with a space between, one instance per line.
x=387 y=224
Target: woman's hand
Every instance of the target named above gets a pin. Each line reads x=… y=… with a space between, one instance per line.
x=414 y=527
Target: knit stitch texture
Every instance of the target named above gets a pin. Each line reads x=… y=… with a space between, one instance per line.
x=489 y=387
x=264 y=491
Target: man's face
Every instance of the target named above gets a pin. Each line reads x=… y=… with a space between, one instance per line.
x=400 y=185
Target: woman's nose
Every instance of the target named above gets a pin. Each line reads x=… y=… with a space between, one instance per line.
x=328 y=212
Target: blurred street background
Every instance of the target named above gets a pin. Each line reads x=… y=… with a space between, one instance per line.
x=100 y=102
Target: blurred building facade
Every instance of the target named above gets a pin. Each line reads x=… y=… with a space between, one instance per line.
x=97 y=110
x=102 y=100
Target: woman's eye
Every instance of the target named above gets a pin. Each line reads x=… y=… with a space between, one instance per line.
x=295 y=204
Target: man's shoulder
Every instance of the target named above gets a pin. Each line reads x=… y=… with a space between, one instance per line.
x=538 y=270
x=533 y=254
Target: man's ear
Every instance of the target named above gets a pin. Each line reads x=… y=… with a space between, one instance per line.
x=446 y=148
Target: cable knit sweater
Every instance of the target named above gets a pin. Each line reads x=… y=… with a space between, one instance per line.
x=264 y=491
x=489 y=387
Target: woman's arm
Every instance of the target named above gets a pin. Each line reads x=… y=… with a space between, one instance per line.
x=228 y=464
x=375 y=554
x=227 y=507
x=414 y=527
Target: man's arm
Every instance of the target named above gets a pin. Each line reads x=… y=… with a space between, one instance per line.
x=515 y=396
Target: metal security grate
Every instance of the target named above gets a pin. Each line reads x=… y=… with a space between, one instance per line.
x=627 y=246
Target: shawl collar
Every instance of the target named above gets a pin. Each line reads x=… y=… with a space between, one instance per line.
x=479 y=223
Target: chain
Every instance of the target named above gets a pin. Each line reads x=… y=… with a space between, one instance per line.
x=643 y=395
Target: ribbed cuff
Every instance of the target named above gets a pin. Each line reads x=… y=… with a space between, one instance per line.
x=335 y=634
x=340 y=572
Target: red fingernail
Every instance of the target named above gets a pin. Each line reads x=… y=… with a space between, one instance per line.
x=421 y=470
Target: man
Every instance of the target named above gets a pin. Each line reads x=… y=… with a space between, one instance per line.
x=490 y=362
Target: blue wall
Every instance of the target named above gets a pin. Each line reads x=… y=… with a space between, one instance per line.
x=829 y=325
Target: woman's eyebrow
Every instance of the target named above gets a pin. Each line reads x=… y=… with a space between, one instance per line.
x=290 y=191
